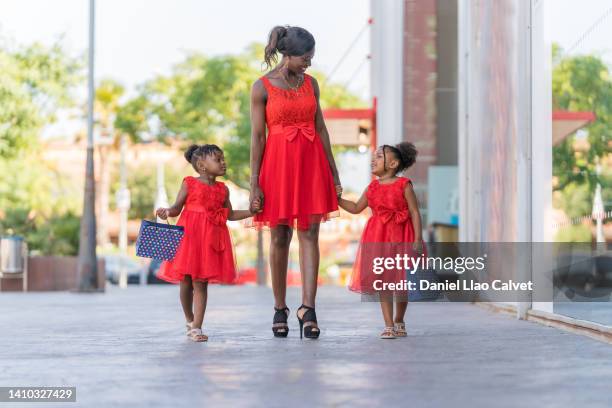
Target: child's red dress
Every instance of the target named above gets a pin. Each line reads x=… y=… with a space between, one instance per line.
x=205 y=252
x=390 y=223
x=294 y=176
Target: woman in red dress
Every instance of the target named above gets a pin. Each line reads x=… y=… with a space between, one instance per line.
x=293 y=172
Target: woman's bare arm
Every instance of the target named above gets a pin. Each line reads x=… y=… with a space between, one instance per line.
x=322 y=131
x=258 y=134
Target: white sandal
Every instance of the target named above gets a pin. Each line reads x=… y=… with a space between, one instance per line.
x=188 y=326
x=400 y=329
x=388 y=333
x=197 y=336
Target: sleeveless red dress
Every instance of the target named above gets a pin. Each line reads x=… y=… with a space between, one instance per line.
x=295 y=176
x=390 y=223
x=205 y=252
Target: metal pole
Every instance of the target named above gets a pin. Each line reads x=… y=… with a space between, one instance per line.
x=124 y=206
x=87 y=267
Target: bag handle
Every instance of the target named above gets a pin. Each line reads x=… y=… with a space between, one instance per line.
x=156 y=217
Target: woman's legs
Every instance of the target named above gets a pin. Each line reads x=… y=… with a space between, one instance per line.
x=199 y=301
x=309 y=263
x=279 y=257
x=186 y=295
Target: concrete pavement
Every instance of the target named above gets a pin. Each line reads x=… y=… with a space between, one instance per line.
x=128 y=349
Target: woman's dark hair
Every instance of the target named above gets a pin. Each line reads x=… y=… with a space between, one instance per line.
x=287 y=40
x=196 y=152
x=405 y=152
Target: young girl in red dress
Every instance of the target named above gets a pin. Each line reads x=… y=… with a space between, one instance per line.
x=395 y=219
x=205 y=254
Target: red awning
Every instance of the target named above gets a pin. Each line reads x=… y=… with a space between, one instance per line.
x=566 y=123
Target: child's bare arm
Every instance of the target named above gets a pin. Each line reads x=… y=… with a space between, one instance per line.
x=354 y=207
x=177 y=207
x=413 y=208
x=237 y=215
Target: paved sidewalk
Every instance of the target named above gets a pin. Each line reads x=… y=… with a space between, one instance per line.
x=128 y=349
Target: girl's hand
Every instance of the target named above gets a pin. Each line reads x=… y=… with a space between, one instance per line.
x=163 y=213
x=418 y=247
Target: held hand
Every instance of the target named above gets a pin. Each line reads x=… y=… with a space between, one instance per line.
x=339 y=190
x=255 y=206
x=256 y=195
x=163 y=213
x=418 y=247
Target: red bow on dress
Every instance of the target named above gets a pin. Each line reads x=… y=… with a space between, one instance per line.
x=217 y=218
x=306 y=128
x=398 y=217
x=389 y=214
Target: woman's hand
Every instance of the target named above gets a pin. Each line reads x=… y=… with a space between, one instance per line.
x=338 y=184
x=256 y=198
x=338 y=190
x=255 y=206
x=163 y=213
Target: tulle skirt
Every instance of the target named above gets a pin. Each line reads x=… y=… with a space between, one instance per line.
x=381 y=241
x=205 y=252
x=297 y=184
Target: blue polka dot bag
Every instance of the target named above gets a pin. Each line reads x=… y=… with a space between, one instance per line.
x=157 y=240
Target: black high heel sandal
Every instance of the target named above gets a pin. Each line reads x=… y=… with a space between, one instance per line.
x=310 y=331
x=280 y=328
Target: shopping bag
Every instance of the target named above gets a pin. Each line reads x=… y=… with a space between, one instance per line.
x=157 y=240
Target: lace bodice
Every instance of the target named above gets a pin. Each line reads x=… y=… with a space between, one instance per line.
x=387 y=200
x=288 y=107
x=200 y=194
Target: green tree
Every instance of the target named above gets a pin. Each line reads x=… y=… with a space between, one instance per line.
x=582 y=83
x=35 y=81
x=35 y=200
x=207 y=100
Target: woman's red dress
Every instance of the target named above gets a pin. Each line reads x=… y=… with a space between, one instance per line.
x=295 y=175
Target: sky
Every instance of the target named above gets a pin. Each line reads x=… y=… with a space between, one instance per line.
x=568 y=20
x=137 y=39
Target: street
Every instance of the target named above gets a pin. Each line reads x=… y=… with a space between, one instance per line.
x=128 y=348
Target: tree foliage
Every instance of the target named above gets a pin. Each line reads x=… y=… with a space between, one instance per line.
x=34 y=82
x=582 y=83
x=207 y=100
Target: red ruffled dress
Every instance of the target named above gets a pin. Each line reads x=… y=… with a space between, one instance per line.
x=390 y=223
x=295 y=175
x=205 y=252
